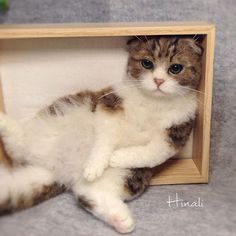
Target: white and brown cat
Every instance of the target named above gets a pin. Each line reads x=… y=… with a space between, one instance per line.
x=101 y=145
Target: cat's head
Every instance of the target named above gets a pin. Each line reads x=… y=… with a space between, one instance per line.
x=164 y=65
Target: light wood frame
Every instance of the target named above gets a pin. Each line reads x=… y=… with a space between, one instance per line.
x=175 y=171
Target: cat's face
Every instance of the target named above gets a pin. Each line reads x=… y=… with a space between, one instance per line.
x=165 y=66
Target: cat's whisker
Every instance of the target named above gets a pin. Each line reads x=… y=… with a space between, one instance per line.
x=207 y=115
x=196 y=39
x=118 y=89
x=130 y=82
x=194 y=90
x=148 y=43
x=139 y=39
x=133 y=81
x=201 y=103
x=104 y=95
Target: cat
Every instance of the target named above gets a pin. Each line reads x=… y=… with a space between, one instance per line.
x=102 y=145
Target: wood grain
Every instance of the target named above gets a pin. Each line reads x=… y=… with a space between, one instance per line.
x=102 y=29
x=177 y=171
x=201 y=144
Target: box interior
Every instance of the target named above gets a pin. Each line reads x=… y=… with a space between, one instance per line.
x=34 y=72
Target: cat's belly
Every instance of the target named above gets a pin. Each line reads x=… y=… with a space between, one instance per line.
x=61 y=143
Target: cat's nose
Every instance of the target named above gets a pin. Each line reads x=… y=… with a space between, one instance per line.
x=158 y=82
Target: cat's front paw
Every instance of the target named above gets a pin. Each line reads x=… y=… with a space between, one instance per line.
x=93 y=170
x=115 y=160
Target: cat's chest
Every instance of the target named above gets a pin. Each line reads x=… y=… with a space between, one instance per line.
x=149 y=118
x=159 y=116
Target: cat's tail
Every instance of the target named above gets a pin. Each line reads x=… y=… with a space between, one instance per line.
x=11 y=134
x=25 y=186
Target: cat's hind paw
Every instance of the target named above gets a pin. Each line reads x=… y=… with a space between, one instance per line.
x=122 y=222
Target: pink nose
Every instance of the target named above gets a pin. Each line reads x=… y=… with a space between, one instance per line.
x=158 y=82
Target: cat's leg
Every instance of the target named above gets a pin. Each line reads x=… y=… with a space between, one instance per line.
x=154 y=153
x=25 y=186
x=108 y=208
x=105 y=140
x=98 y=160
x=12 y=136
x=104 y=198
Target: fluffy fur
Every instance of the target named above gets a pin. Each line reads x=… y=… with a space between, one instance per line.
x=92 y=142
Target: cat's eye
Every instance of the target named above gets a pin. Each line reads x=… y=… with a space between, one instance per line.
x=147 y=64
x=175 y=68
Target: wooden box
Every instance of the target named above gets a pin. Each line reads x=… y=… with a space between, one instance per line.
x=19 y=42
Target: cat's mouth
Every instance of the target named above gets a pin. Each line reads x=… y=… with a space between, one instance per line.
x=158 y=92
x=158 y=89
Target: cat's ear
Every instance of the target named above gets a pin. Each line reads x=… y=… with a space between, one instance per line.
x=192 y=44
x=138 y=42
x=132 y=43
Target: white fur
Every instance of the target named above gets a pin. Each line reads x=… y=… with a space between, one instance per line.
x=22 y=182
x=153 y=115
x=80 y=145
x=107 y=195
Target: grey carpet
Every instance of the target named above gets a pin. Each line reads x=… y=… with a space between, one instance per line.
x=60 y=216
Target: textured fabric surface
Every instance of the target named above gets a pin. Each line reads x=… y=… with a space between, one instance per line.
x=60 y=216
